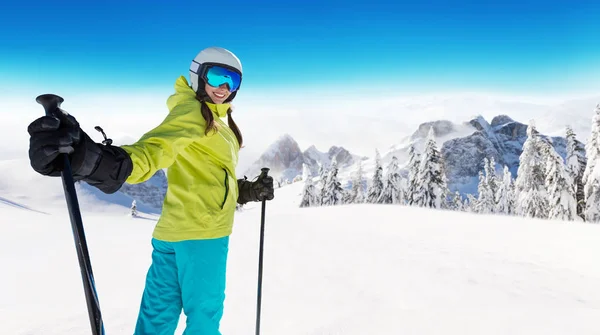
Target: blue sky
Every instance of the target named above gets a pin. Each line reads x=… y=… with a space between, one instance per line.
x=525 y=46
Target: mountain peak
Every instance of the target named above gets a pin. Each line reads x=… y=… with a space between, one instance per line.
x=480 y=123
x=283 y=157
x=501 y=120
x=285 y=138
x=440 y=128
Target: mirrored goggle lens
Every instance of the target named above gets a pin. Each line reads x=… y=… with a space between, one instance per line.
x=217 y=76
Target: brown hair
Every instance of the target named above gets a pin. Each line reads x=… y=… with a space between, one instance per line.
x=210 y=121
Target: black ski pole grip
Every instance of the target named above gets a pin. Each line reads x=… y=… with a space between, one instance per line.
x=50 y=102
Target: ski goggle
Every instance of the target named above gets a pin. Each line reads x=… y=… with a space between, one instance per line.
x=216 y=76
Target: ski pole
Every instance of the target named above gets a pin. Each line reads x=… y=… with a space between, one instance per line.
x=51 y=104
x=264 y=173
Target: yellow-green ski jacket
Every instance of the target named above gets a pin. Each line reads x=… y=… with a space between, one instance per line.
x=202 y=186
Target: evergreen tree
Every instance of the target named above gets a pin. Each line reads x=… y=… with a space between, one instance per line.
x=505 y=196
x=591 y=175
x=323 y=172
x=347 y=194
x=470 y=204
x=431 y=185
x=377 y=182
x=334 y=192
x=356 y=194
x=134 y=211
x=414 y=160
x=457 y=202
x=309 y=193
x=485 y=199
x=531 y=195
x=447 y=196
x=561 y=189
x=576 y=163
x=491 y=180
x=391 y=192
x=403 y=190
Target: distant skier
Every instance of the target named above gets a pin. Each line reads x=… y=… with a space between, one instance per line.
x=200 y=150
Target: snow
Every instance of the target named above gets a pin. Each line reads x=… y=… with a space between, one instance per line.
x=354 y=269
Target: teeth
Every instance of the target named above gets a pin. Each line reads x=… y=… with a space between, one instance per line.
x=219 y=95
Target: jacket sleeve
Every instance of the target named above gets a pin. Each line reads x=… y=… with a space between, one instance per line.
x=158 y=148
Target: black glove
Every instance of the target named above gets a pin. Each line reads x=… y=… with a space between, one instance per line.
x=105 y=167
x=259 y=190
x=49 y=138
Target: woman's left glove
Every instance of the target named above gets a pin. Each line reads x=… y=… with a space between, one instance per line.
x=259 y=190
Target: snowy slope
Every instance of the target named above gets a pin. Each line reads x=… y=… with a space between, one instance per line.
x=360 y=269
x=21 y=186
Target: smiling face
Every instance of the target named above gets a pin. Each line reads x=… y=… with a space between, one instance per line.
x=217 y=94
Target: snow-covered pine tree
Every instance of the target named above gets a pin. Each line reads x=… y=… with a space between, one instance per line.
x=377 y=182
x=134 y=211
x=561 y=189
x=531 y=194
x=431 y=184
x=320 y=191
x=309 y=193
x=491 y=179
x=505 y=196
x=414 y=160
x=391 y=190
x=356 y=194
x=576 y=162
x=403 y=188
x=485 y=200
x=457 y=202
x=334 y=192
x=591 y=175
x=470 y=204
x=446 y=194
x=305 y=171
x=347 y=194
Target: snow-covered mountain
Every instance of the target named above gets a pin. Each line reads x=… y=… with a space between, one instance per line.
x=285 y=158
x=151 y=192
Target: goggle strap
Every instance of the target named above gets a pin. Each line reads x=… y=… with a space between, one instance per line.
x=195 y=66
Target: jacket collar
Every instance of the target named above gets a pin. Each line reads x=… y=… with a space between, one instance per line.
x=218 y=109
x=183 y=91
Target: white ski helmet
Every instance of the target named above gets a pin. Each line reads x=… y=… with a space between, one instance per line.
x=213 y=55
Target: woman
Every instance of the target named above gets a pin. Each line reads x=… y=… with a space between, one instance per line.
x=200 y=151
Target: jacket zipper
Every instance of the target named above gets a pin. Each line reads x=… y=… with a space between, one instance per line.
x=226 y=188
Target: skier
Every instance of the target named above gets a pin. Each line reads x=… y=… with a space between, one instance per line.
x=190 y=240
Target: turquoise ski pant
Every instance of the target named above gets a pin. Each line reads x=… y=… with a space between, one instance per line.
x=188 y=275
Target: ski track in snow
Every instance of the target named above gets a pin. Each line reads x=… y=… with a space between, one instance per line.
x=17 y=205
